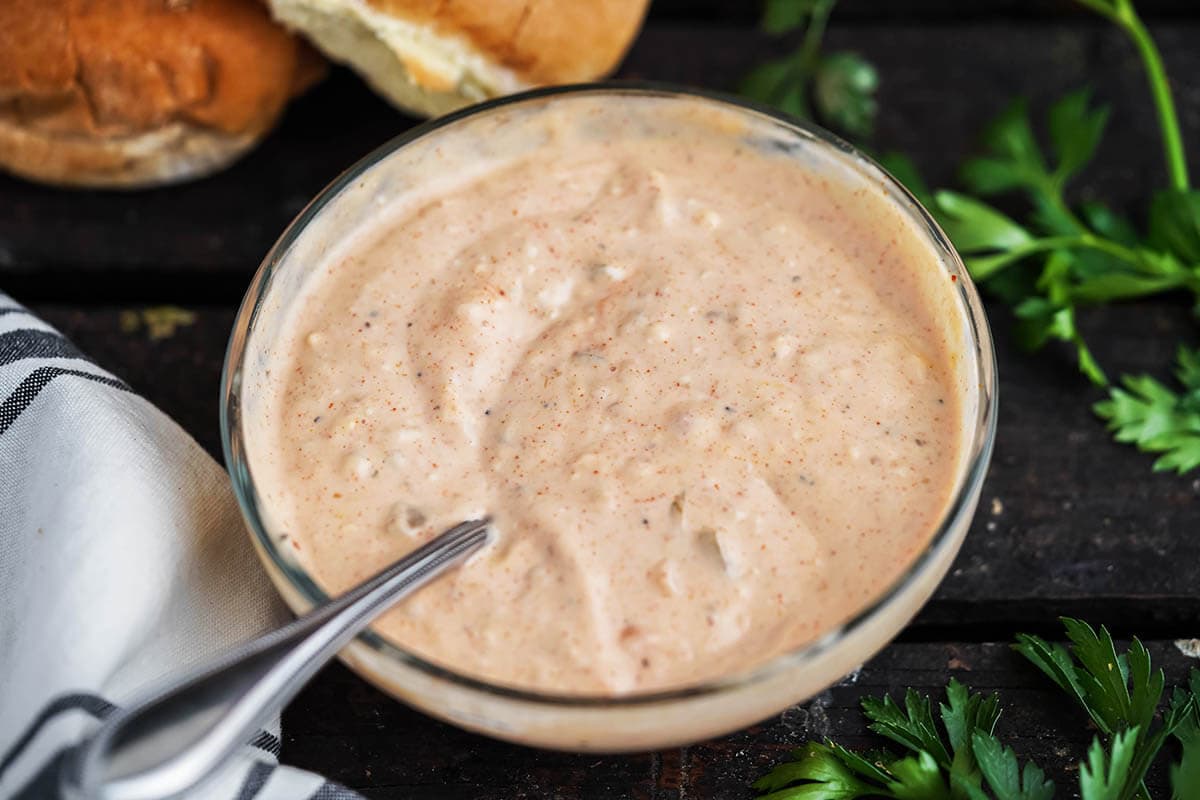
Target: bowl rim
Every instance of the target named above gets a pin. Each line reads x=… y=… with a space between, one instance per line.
x=957 y=515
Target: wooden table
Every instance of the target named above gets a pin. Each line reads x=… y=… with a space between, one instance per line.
x=1069 y=523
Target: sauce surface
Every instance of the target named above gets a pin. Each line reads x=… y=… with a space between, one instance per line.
x=705 y=382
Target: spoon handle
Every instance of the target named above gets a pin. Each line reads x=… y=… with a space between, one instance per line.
x=173 y=737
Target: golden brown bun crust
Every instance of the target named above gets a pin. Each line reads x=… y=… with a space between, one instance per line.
x=433 y=56
x=133 y=92
x=543 y=41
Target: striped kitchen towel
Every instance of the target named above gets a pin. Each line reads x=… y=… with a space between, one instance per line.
x=122 y=559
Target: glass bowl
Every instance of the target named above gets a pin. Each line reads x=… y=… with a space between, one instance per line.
x=591 y=723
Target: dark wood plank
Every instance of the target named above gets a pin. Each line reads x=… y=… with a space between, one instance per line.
x=357 y=736
x=180 y=374
x=1081 y=525
x=200 y=242
x=933 y=11
x=1069 y=523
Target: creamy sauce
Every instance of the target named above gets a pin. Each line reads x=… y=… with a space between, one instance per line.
x=706 y=385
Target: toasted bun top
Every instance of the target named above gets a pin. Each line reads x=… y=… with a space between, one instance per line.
x=542 y=41
x=113 y=68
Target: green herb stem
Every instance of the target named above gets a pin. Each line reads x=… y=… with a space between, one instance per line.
x=1124 y=15
x=1086 y=241
x=1056 y=199
x=810 y=49
x=1168 y=120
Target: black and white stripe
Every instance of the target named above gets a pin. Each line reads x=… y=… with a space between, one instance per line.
x=44 y=783
x=93 y=705
x=34 y=356
x=267 y=742
x=29 y=388
x=35 y=343
x=30 y=343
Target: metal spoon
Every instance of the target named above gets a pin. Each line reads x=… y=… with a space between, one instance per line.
x=172 y=738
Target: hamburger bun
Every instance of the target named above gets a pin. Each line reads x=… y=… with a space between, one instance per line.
x=131 y=93
x=433 y=56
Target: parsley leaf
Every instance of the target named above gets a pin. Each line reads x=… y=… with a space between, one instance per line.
x=976 y=227
x=1012 y=160
x=1004 y=775
x=778 y=83
x=844 y=90
x=963 y=759
x=960 y=761
x=1185 y=775
x=1103 y=221
x=911 y=726
x=816 y=772
x=1117 y=691
x=1105 y=775
x=918 y=777
x=966 y=714
x=1121 y=693
x=1157 y=419
x=840 y=87
x=1075 y=131
x=1175 y=224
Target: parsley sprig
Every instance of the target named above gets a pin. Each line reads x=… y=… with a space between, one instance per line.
x=962 y=759
x=1125 y=17
x=1086 y=257
x=1185 y=775
x=1061 y=257
x=1121 y=693
x=838 y=89
x=1144 y=412
x=954 y=761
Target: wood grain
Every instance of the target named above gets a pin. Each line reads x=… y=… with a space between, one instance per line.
x=200 y=242
x=928 y=11
x=389 y=751
x=1069 y=521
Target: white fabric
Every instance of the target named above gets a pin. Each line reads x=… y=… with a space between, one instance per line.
x=122 y=558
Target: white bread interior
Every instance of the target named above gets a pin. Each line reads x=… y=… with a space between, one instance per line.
x=414 y=66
